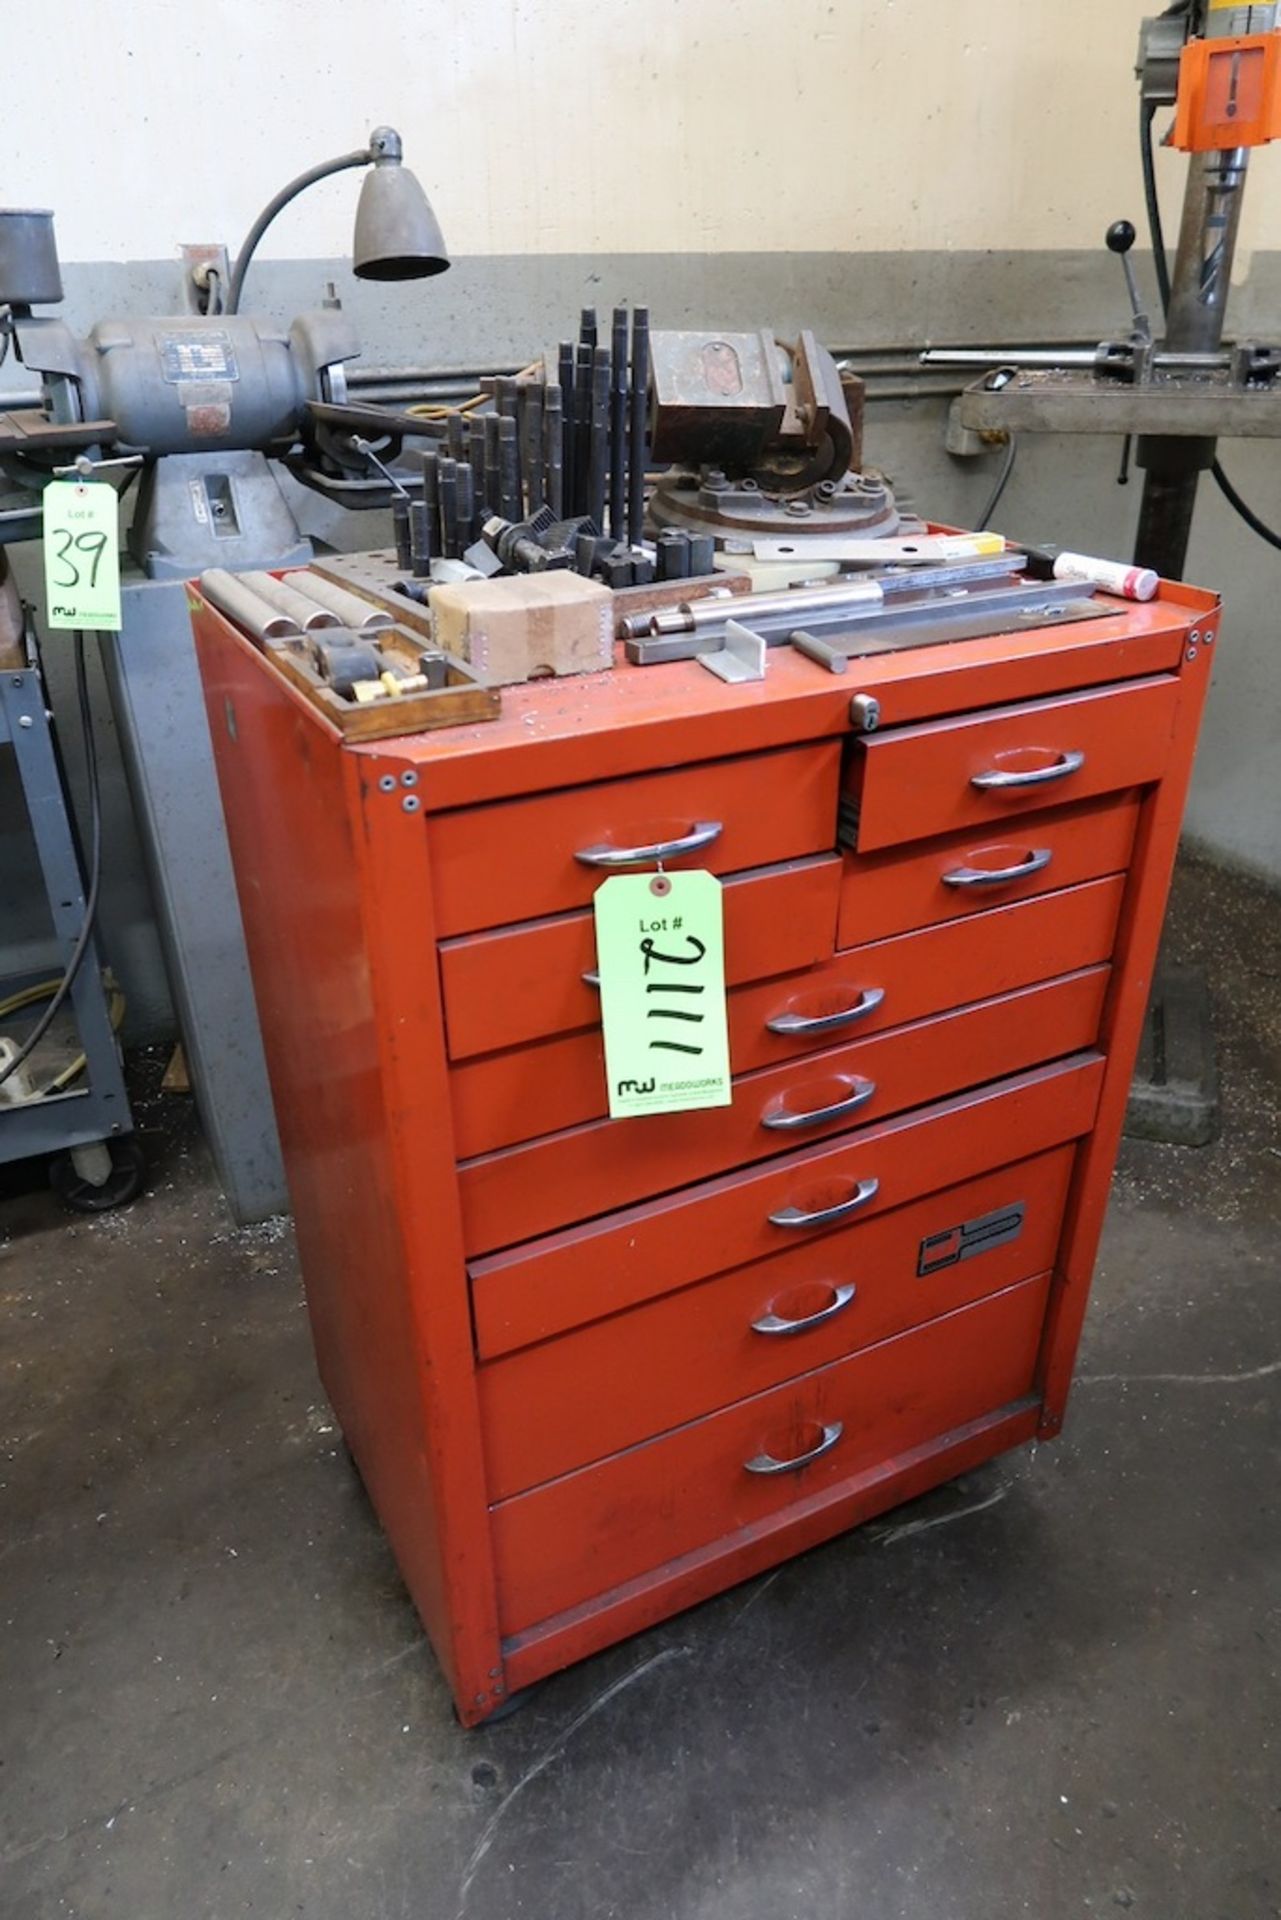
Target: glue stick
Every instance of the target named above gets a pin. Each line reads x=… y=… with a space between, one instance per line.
x=1114 y=576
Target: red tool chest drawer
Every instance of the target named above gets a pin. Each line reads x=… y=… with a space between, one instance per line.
x=983 y=768
x=568 y=1279
x=716 y=1476
x=919 y=886
x=522 y=1191
x=567 y=1402
x=526 y=982
x=508 y=1097
x=520 y=859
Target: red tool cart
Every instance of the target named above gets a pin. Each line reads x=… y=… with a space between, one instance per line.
x=593 y=1371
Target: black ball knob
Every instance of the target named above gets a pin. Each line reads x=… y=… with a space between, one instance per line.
x=1120 y=236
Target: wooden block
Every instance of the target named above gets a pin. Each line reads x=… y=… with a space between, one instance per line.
x=532 y=626
x=176 y=1077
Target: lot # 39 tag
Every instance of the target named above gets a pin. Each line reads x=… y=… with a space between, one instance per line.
x=660 y=953
x=82 y=555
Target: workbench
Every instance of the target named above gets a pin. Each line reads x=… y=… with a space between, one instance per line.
x=593 y=1371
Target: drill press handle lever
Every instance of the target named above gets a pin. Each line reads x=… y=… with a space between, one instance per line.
x=1120 y=238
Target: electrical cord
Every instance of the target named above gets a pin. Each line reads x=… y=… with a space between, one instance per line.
x=32 y=996
x=432 y=410
x=1147 y=113
x=1247 y=513
x=81 y=946
x=1002 y=482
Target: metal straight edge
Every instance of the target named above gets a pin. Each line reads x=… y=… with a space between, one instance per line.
x=844 y=636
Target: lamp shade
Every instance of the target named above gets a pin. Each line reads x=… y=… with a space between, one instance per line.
x=397 y=235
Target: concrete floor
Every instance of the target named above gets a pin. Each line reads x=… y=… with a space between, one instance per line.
x=1049 y=1690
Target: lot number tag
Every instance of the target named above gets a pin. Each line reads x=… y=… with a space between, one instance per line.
x=81 y=555
x=660 y=953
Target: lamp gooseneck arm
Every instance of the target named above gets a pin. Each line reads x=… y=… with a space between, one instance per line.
x=362 y=158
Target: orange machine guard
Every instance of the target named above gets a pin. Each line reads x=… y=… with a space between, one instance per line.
x=1229 y=93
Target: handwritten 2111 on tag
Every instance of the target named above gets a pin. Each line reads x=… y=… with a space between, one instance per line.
x=660 y=953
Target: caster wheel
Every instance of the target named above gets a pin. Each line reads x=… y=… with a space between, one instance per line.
x=123 y=1183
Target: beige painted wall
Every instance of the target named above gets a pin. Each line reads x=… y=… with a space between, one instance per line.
x=558 y=126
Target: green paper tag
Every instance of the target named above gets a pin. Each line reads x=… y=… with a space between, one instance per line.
x=81 y=555
x=660 y=953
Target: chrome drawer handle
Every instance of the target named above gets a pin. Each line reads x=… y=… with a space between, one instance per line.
x=779 y=1116
x=826 y=1216
x=866 y=1003
x=766 y=1463
x=771 y=1323
x=997 y=876
x=997 y=778
x=700 y=835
